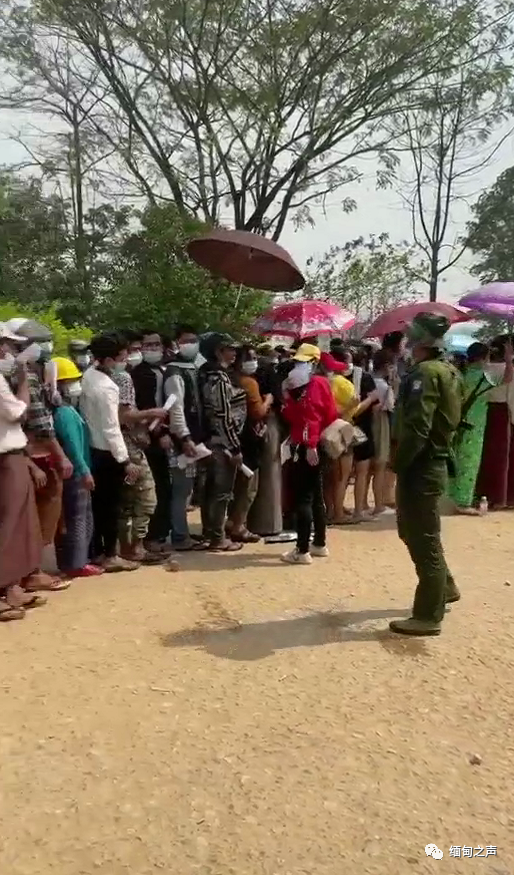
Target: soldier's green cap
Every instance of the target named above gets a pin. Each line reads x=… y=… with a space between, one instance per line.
x=428 y=329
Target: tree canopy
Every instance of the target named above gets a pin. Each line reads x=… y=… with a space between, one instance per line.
x=236 y=111
x=366 y=277
x=491 y=230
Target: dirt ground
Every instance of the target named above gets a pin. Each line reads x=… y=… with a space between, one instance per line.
x=243 y=717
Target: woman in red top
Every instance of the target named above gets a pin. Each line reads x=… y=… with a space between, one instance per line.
x=309 y=408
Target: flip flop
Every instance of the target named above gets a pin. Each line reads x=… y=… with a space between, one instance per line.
x=246 y=537
x=7 y=613
x=37 y=601
x=48 y=584
x=228 y=547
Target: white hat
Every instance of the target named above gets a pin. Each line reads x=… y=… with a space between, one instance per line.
x=7 y=333
x=299 y=376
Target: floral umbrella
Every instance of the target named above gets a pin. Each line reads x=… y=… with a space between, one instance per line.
x=303 y=319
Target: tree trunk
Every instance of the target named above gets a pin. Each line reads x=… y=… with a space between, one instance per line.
x=80 y=241
x=434 y=274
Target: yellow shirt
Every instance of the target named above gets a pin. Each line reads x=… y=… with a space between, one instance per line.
x=343 y=392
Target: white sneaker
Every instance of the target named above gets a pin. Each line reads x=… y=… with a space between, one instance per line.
x=296 y=558
x=319 y=551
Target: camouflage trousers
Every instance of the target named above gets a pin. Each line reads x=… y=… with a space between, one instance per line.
x=138 y=502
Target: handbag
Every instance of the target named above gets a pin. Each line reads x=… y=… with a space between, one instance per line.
x=340 y=437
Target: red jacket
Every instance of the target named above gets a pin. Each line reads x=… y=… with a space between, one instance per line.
x=312 y=413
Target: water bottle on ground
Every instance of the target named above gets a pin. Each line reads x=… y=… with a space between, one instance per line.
x=483 y=506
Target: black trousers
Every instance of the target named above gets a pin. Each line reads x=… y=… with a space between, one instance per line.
x=308 y=502
x=160 y=523
x=106 y=501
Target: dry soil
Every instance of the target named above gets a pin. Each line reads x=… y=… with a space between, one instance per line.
x=242 y=717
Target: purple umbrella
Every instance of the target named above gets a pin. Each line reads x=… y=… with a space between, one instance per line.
x=495 y=299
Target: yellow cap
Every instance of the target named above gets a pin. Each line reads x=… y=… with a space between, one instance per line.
x=66 y=369
x=307 y=352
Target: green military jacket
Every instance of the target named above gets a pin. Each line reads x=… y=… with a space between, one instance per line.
x=427 y=413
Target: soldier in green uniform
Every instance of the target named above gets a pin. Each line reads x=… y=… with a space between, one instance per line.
x=427 y=415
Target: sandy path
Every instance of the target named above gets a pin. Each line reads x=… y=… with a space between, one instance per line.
x=302 y=741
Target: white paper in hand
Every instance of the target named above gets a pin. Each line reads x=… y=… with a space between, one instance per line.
x=201 y=452
x=170 y=401
x=285 y=451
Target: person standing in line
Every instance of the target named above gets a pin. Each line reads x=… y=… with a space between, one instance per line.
x=479 y=382
x=148 y=379
x=48 y=465
x=110 y=460
x=309 y=409
x=265 y=515
x=78 y=351
x=252 y=444
x=186 y=429
x=224 y=408
x=138 y=500
x=21 y=545
x=381 y=429
x=496 y=473
x=72 y=545
x=428 y=413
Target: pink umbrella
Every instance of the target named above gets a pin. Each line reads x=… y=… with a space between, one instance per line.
x=303 y=319
x=495 y=299
x=400 y=317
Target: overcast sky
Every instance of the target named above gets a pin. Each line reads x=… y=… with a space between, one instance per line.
x=377 y=211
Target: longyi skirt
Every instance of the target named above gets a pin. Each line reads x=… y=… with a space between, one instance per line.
x=21 y=544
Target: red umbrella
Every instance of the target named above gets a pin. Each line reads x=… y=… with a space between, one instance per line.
x=303 y=319
x=248 y=259
x=399 y=318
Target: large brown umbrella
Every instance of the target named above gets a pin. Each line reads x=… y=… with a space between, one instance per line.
x=247 y=259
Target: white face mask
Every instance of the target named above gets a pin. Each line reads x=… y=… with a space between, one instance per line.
x=31 y=354
x=249 y=367
x=189 y=351
x=119 y=367
x=349 y=369
x=7 y=364
x=83 y=361
x=75 y=389
x=134 y=359
x=153 y=356
x=47 y=349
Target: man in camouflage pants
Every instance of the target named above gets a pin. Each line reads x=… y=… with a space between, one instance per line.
x=138 y=500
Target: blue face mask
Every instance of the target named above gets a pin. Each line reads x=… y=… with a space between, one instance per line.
x=119 y=367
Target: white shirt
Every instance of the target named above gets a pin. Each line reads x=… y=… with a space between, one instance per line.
x=99 y=403
x=12 y=436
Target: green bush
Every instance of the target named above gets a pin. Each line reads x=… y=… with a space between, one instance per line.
x=48 y=317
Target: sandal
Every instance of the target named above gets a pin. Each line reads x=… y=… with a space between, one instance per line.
x=45 y=583
x=8 y=613
x=225 y=547
x=245 y=537
x=37 y=601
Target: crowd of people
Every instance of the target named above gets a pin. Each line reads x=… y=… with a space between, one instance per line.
x=106 y=459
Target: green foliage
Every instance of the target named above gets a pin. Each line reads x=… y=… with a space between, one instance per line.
x=366 y=277
x=48 y=316
x=33 y=242
x=491 y=231
x=153 y=282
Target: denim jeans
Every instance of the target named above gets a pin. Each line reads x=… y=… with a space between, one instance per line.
x=181 y=488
